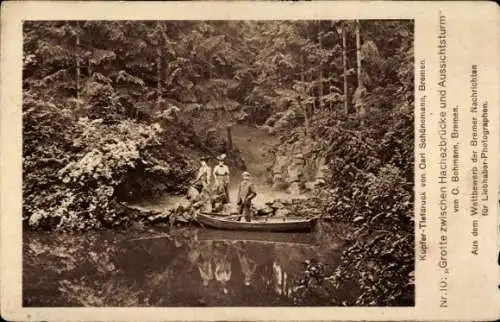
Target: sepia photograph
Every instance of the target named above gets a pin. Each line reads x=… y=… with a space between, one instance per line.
x=210 y=163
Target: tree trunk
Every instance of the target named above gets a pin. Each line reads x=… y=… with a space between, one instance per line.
x=77 y=64
x=229 y=138
x=320 y=73
x=301 y=102
x=166 y=56
x=329 y=84
x=358 y=53
x=359 y=103
x=158 y=77
x=344 y=60
x=158 y=68
x=311 y=93
x=330 y=81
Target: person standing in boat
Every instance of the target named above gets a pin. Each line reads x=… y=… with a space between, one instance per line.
x=221 y=178
x=246 y=193
x=204 y=174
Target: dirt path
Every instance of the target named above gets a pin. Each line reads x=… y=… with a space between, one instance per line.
x=254 y=145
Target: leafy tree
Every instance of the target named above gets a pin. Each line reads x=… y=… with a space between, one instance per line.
x=120 y=110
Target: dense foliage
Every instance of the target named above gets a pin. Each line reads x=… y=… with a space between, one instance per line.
x=371 y=188
x=101 y=119
x=120 y=110
x=371 y=161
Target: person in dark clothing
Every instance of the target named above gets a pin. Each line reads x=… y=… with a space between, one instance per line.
x=246 y=193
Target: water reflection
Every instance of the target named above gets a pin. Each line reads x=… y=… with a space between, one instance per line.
x=248 y=265
x=188 y=267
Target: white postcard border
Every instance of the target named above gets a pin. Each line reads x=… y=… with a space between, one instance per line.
x=473 y=39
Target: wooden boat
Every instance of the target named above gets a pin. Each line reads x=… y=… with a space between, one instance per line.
x=221 y=221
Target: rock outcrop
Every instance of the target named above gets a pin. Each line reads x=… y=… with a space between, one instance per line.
x=299 y=166
x=140 y=217
x=297 y=207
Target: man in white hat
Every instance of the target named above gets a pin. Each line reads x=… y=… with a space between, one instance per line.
x=221 y=177
x=246 y=192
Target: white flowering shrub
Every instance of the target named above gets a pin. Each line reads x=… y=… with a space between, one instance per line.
x=79 y=192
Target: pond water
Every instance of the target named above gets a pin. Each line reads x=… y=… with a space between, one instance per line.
x=182 y=267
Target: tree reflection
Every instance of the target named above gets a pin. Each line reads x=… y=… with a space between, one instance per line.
x=184 y=268
x=204 y=263
x=222 y=265
x=248 y=265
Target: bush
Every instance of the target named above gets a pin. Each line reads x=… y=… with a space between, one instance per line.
x=80 y=190
x=75 y=169
x=371 y=189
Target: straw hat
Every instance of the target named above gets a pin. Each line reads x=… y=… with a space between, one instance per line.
x=221 y=157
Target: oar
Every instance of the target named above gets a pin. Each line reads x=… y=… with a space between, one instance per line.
x=224 y=216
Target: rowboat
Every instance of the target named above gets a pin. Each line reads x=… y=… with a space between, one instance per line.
x=217 y=220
